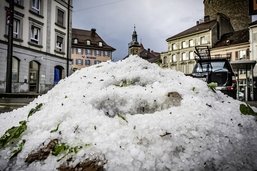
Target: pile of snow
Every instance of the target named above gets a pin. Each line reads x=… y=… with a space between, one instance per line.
x=133 y=115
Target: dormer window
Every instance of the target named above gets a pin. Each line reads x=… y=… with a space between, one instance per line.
x=75 y=41
x=100 y=44
x=88 y=42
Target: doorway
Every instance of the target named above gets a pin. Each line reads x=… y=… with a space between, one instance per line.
x=34 y=68
x=58 y=74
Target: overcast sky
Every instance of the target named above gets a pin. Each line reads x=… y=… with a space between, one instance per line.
x=155 y=20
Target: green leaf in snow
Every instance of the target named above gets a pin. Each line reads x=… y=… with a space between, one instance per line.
x=13 y=133
x=18 y=149
x=247 y=110
x=34 y=110
x=56 y=129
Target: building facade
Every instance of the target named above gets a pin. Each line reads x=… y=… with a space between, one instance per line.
x=88 y=48
x=180 y=55
x=41 y=32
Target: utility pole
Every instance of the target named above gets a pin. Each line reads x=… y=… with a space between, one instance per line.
x=10 y=14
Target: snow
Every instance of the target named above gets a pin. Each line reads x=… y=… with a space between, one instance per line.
x=134 y=115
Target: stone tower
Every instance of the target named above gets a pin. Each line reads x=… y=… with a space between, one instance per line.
x=236 y=10
x=134 y=46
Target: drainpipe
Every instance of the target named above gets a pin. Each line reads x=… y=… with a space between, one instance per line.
x=8 y=88
x=68 y=40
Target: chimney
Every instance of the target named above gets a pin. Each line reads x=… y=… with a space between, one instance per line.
x=148 y=50
x=93 y=31
x=206 y=18
x=197 y=22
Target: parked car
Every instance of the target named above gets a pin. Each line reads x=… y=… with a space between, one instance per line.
x=218 y=71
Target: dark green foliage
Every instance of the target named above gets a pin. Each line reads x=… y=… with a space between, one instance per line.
x=247 y=110
x=56 y=129
x=13 y=133
x=34 y=110
x=16 y=151
x=60 y=148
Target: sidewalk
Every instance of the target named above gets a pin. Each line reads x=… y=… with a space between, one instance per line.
x=9 y=102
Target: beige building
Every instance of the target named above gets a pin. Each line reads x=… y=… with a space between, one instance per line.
x=88 y=48
x=180 y=55
x=41 y=32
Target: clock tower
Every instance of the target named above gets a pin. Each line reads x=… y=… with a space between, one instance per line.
x=134 y=46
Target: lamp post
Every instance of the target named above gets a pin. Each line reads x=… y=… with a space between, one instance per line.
x=10 y=14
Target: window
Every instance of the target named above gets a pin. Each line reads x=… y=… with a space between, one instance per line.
x=79 y=51
x=203 y=40
x=97 y=62
x=184 y=44
x=87 y=62
x=88 y=52
x=34 y=34
x=191 y=43
x=105 y=53
x=17 y=26
x=98 y=53
x=165 y=61
x=18 y=2
x=229 y=55
x=35 y=37
x=75 y=41
x=241 y=54
x=191 y=55
x=35 y=6
x=174 y=46
x=88 y=42
x=100 y=44
x=174 y=58
x=79 y=62
x=59 y=43
x=60 y=17
x=184 y=57
x=15 y=69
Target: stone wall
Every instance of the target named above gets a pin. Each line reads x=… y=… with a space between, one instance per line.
x=236 y=10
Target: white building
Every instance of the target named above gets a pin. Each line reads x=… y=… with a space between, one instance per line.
x=41 y=30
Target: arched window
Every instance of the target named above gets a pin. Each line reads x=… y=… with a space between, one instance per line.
x=58 y=73
x=75 y=41
x=15 y=69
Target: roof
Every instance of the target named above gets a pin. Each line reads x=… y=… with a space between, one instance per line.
x=84 y=35
x=195 y=29
x=237 y=37
x=149 y=55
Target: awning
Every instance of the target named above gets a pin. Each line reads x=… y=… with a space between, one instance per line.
x=243 y=64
